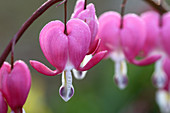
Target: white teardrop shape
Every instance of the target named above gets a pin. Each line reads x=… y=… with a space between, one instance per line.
x=159 y=76
x=66 y=90
x=120 y=76
x=79 y=74
x=163 y=100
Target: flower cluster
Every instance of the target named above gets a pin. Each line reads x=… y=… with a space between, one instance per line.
x=81 y=43
x=88 y=40
x=14 y=86
x=144 y=36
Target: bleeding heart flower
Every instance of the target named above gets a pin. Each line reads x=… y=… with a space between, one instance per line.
x=157 y=42
x=88 y=15
x=121 y=43
x=163 y=94
x=16 y=84
x=66 y=52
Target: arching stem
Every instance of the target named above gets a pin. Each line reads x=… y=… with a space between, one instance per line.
x=25 y=26
x=162 y=8
x=12 y=54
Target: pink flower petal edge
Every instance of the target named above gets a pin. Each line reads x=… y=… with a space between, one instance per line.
x=94 y=47
x=146 y=61
x=95 y=59
x=43 y=69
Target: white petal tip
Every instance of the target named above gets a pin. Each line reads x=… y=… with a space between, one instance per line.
x=121 y=81
x=79 y=75
x=65 y=93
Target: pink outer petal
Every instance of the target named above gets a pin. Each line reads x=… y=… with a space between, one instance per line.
x=43 y=69
x=166 y=33
x=94 y=47
x=78 y=8
x=54 y=44
x=166 y=67
x=109 y=31
x=146 y=61
x=3 y=104
x=79 y=40
x=152 y=21
x=132 y=35
x=4 y=70
x=89 y=16
x=17 y=85
x=95 y=60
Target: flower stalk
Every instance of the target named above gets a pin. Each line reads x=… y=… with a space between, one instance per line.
x=25 y=26
x=161 y=8
x=65 y=16
x=85 y=4
x=122 y=12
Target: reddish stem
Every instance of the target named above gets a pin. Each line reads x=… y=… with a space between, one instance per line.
x=12 y=54
x=122 y=12
x=162 y=8
x=85 y=4
x=65 y=16
x=25 y=26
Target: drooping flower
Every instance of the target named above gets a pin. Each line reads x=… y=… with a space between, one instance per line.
x=16 y=84
x=157 y=40
x=163 y=94
x=88 y=15
x=66 y=52
x=123 y=43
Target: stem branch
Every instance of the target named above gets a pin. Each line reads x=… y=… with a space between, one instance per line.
x=161 y=8
x=85 y=3
x=65 y=16
x=25 y=26
x=122 y=12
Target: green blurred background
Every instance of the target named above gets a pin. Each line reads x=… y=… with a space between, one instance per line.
x=97 y=93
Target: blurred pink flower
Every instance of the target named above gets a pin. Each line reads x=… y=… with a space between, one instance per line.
x=163 y=94
x=66 y=52
x=123 y=43
x=16 y=84
x=157 y=42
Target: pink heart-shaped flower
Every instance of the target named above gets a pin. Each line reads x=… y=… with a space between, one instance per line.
x=16 y=84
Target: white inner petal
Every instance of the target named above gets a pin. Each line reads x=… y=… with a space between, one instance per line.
x=159 y=74
x=67 y=80
x=121 y=74
x=163 y=100
x=81 y=74
x=66 y=89
x=120 y=69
